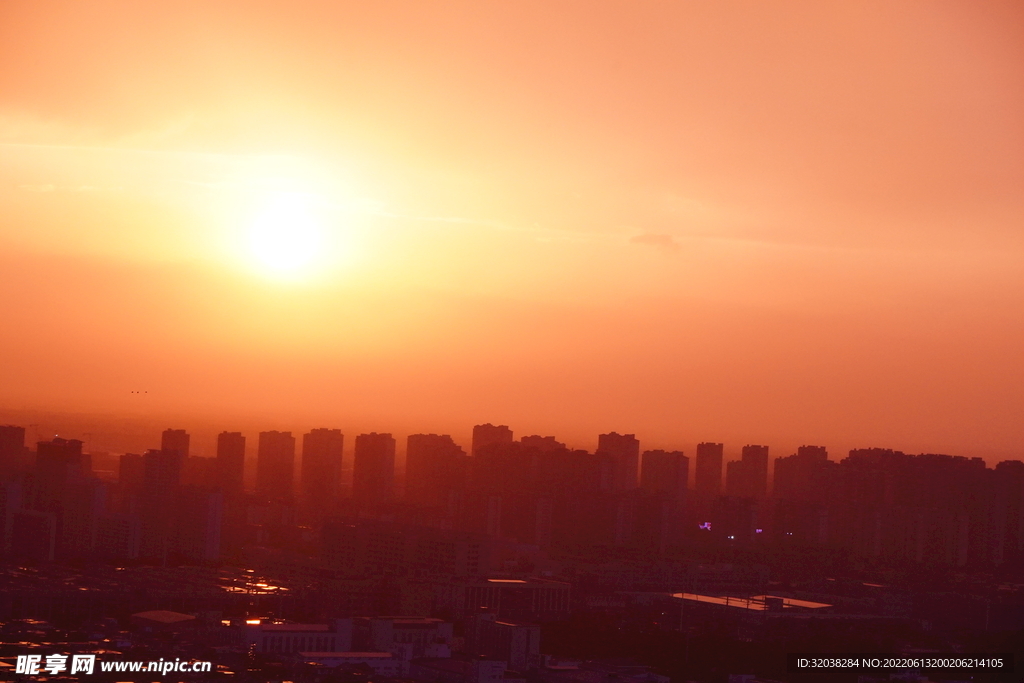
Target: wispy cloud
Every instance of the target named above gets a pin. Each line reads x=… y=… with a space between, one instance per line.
x=437 y=219
x=665 y=242
x=50 y=187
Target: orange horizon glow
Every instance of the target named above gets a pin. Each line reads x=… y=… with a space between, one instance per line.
x=782 y=224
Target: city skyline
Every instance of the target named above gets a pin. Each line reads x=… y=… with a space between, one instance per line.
x=527 y=535
x=543 y=341
x=709 y=470
x=100 y=433
x=58 y=502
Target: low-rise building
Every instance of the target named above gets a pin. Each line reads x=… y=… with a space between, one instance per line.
x=458 y=670
x=407 y=637
x=285 y=638
x=381 y=663
x=531 y=599
x=517 y=644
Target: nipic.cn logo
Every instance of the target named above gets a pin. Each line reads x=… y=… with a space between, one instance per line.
x=34 y=665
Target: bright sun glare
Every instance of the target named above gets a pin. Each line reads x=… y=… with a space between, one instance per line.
x=286 y=235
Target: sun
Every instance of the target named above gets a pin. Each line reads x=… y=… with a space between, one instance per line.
x=286 y=234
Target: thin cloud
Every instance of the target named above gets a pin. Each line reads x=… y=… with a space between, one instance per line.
x=665 y=242
x=49 y=187
x=432 y=219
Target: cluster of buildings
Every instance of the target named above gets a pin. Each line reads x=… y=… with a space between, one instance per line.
x=910 y=509
x=291 y=565
x=168 y=505
x=53 y=506
x=421 y=648
x=380 y=648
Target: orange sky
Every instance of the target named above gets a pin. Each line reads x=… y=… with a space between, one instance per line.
x=785 y=223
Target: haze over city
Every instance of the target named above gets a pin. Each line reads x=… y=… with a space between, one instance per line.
x=731 y=222
x=512 y=342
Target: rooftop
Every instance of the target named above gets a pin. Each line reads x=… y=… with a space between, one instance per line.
x=317 y=628
x=347 y=655
x=163 y=616
x=757 y=603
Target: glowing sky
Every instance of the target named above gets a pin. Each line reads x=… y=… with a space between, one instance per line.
x=786 y=223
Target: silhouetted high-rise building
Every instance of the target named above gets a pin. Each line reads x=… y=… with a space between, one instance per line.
x=12 y=447
x=373 y=469
x=542 y=444
x=748 y=477
x=158 y=503
x=321 y=467
x=199 y=471
x=12 y=440
x=66 y=490
x=161 y=470
x=488 y=435
x=733 y=518
x=34 y=535
x=1008 y=509
x=131 y=471
x=757 y=457
x=819 y=453
x=119 y=537
x=199 y=517
x=275 y=464
x=434 y=466
x=231 y=463
x=175 y=440
x=230 y=478
x=10 y=503
x=665 y=472
x=707 y=474
x=624 y=451
x=84 y=506
x=505 y=468
x=736 y=479
x=800 y=476
x=61 y=453
x=58 y=463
